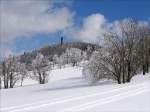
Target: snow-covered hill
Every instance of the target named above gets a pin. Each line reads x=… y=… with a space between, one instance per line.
x=67 y=91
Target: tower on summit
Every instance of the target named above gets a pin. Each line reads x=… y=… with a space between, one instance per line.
x=62 y=41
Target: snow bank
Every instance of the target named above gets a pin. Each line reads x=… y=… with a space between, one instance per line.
x=139 y=78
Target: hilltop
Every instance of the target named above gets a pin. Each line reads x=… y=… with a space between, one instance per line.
x=56 y=49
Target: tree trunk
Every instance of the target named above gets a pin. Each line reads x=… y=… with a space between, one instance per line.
x=147 y=67
x=123 y=75
x=0 y=82
x=6 y=81
x=129 y=79
x=5 y=85
x=129 y=72
x=147 y=64
x=143 y=69
x=119 y=79
x=11 y=80
x=21 y=82
x=74 y=63
x=43 y=78
x=40 y=79
x=119 y=82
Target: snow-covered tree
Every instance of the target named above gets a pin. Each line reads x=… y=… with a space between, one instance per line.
x=70 y=56
x=84 y=56
x=125 y=43
x=73 y=55
x=10 y=71
x=55 y=59
x=63 y=59
x=41 y=67
x=22 y=72
x=101 y=65
x=144 y=47
x=14 y=70
x=120 y=56
x=4 y=73
x=89 y=51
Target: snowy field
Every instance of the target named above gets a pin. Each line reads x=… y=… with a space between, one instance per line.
x=67 y=91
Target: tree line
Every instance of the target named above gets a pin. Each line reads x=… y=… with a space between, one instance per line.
x=12 y=70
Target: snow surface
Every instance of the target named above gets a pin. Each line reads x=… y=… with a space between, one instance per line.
x=67 y=91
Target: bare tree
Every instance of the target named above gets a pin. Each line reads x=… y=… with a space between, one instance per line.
x=89 y=51
x=10 y=71
x=130 y=36
x=103 y=65
x=5 y=73
x=144 y=47
x=119 y=56
x=22 y=72
x=13 y=70
x=41 y=67
x=73 y=55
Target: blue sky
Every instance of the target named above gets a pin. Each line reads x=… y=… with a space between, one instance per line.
x=113 y=9
x=78 y=10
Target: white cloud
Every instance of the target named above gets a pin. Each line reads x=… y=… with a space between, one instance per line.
x=91 y=30
x=95 y=26
x=24 y=18
x=115 y=26
x=5 y=52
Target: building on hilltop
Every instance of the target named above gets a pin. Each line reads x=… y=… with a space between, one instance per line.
x=62 y=41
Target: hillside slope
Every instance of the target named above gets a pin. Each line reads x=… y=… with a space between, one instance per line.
x=67 y=91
